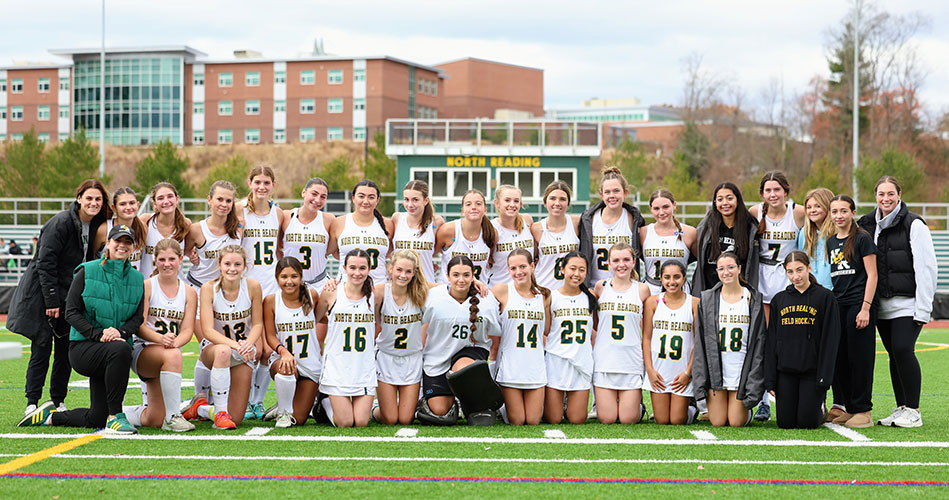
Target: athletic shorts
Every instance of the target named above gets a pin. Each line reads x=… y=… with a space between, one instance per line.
x=399 y=370
x=338 y=390
x=618 y=381
x=438 y=385
x=563 y=376
x=303 y=371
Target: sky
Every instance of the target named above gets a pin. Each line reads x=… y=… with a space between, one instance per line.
x=596 y=48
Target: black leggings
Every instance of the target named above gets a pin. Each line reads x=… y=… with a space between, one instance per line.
x=107 y=366
x=853 y=375
x=48 y=343
x=799 y=401
x=899 y=338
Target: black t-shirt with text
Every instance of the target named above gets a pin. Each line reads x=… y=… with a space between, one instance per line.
x=726 y=242
x=849 y=278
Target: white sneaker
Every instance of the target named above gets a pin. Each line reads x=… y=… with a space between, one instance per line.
x=908 y=418
x=61 y=407
x=177 y=423
x=29 y=409
x=285 y=420
x=888 y=421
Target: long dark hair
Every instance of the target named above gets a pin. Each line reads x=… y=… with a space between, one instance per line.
x=366 y=285
x=137 y=227
x=799 y=256
x=488 y=234
x=675 y=263
x=88 y=184
x=713 y=222
x=665 y=193
x=782 y=180
x=463 y=260
x=428 y=213
x=181 y=222
x=850 y=244
x=535 y=288
x=305 y=299
x=231 y=224
x=591 y=299
x=375 y=211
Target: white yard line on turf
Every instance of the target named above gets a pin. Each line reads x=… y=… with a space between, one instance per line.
x=258 y=431
x=846 y=432
x=497 y=440
x=554 y=434
x=493 y=460
x=705 y=435
x=407 y=432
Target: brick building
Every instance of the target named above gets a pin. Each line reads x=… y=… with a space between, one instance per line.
x=475 y=88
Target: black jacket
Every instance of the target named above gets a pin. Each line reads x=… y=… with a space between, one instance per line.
x=46 y=281
x=749 y=268
x=586 y=235
x=707 y=360
x=896 y=275
x=803 y=335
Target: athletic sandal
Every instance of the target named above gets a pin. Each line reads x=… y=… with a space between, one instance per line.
x=119 y=425
x=842 y=418
x=177 y=423
x=908 y=418
x=888 y=421
x=192 y=412
x=860 y=420
x=38 y=416
x=223 y=421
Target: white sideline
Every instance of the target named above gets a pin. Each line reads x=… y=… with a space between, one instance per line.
x=705 y=435
x=497 y=440
x=490 y=460
x=846 y=432
x=258 y=431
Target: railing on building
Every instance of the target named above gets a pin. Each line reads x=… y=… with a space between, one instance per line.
x=490 y=137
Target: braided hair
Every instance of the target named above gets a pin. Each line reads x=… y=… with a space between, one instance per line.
x=473 y=299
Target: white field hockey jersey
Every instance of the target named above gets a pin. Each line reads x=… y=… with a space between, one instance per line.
x=733 y=326
x=551 y=248
x=307 y=243
x=508 y=240
x=372 y=239
x=260 y=243
x=449 y=329
x=605 y=236
x=521 y=353
x=672 y=342
x=296 y=330
x=657 y=250
x=619 y=338
x=207 y=268
x=165 y=314
x=401 y=333
x=349 y=351
x=475 y=250
x=233 y=318
x=136 y=257
x=406 y=238
x=778 y=240
x=152 y=237
x=571 y=331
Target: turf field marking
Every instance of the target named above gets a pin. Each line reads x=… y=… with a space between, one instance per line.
x=463 y=479
x=32 y=458
x=703 y=435
x=934 y=346
x=499 y=440
x=258 y=431
x=406 y=432
x=659 y=461
x=846 y=432
x=554 y=434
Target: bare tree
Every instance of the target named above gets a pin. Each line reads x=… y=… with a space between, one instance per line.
x=702 y=87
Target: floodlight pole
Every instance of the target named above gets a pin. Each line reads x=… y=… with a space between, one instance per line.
x=102 y=99
x=856 y=94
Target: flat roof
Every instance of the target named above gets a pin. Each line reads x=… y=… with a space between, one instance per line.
x=129 y=50
x=37 y=65
x=489 y=62
x=249 y=60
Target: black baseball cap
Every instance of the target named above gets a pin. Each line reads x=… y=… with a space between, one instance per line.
x=122 y=231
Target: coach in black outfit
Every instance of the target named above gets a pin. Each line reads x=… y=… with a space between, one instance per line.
x=37 y=309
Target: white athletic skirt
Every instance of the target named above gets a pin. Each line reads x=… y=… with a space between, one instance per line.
x=618 y=381
x=668 y=390
x=236 y=358
x=302 y=370
x=771 y=280
x=563 y=375
x=399 y=370
x=337 y=390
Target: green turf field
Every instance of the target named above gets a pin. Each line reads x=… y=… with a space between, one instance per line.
x=587 y=461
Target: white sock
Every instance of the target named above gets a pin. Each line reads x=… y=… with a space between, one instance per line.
x=134 y=414
x=286 y=387
x=702 y=405
x=261 y=383
x=144 y=393
x=202 y=379
x=220 y=386
x=329 y=410
x=766 y=399
x=170 y=392
x=207 y=411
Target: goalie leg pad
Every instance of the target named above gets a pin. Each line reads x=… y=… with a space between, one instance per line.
x=475 y=388
x=426 y=416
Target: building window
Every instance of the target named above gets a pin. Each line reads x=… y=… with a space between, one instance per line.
x=42 y=85
x=334 y=77
x=252 y=136
x=434 y=114
x=225 y=79
x=3 y=112
x=334 y=105
x=44 y=137
x=280 y=106
x=307 y=77
x=199 y=108
x=307 y=106
x=435 y=88
x=252 y=78
x=225 y=108
x=198 y=137
x=359 y=104
x=280 y=77
x=64 y=83
x=224 y=136
x=359 y=133
x=280 y=136
x=16 y=86
x=3 y=137
x=334 y=133
x=307 y=134
x=252 y=107
x=63 y=136
x=16 y=113
x=64 y=112
x=199 y=79
x=421 y=86
x=3 y=84
x=359 y=75
x=16 y=137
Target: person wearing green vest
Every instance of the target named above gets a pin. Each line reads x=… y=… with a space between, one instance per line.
x=104 y=308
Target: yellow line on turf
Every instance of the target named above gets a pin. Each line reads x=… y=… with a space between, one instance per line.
x=48 y=452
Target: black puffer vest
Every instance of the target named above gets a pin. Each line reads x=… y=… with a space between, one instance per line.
x=895 y=256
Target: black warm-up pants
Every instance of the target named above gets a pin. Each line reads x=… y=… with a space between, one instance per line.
x=799 y=401
x=853 y=375
x=41 y=348
x=899 y=338
x=107 y=366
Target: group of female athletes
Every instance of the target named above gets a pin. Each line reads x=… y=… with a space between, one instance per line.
x=784 y=301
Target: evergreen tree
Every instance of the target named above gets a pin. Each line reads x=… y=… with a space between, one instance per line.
x=163 y=164
x=68 y=164
x=693 y=150
x=824 y=173
x=234 y=169
x=898 y=164
x=22 y=171
x=633 y=161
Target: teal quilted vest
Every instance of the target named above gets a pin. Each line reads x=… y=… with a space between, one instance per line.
x=112 y=294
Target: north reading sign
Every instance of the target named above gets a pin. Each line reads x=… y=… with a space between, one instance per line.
x=492 y=161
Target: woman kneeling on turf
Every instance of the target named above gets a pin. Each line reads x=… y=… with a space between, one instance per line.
x=728 y=362
x=290 y=329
